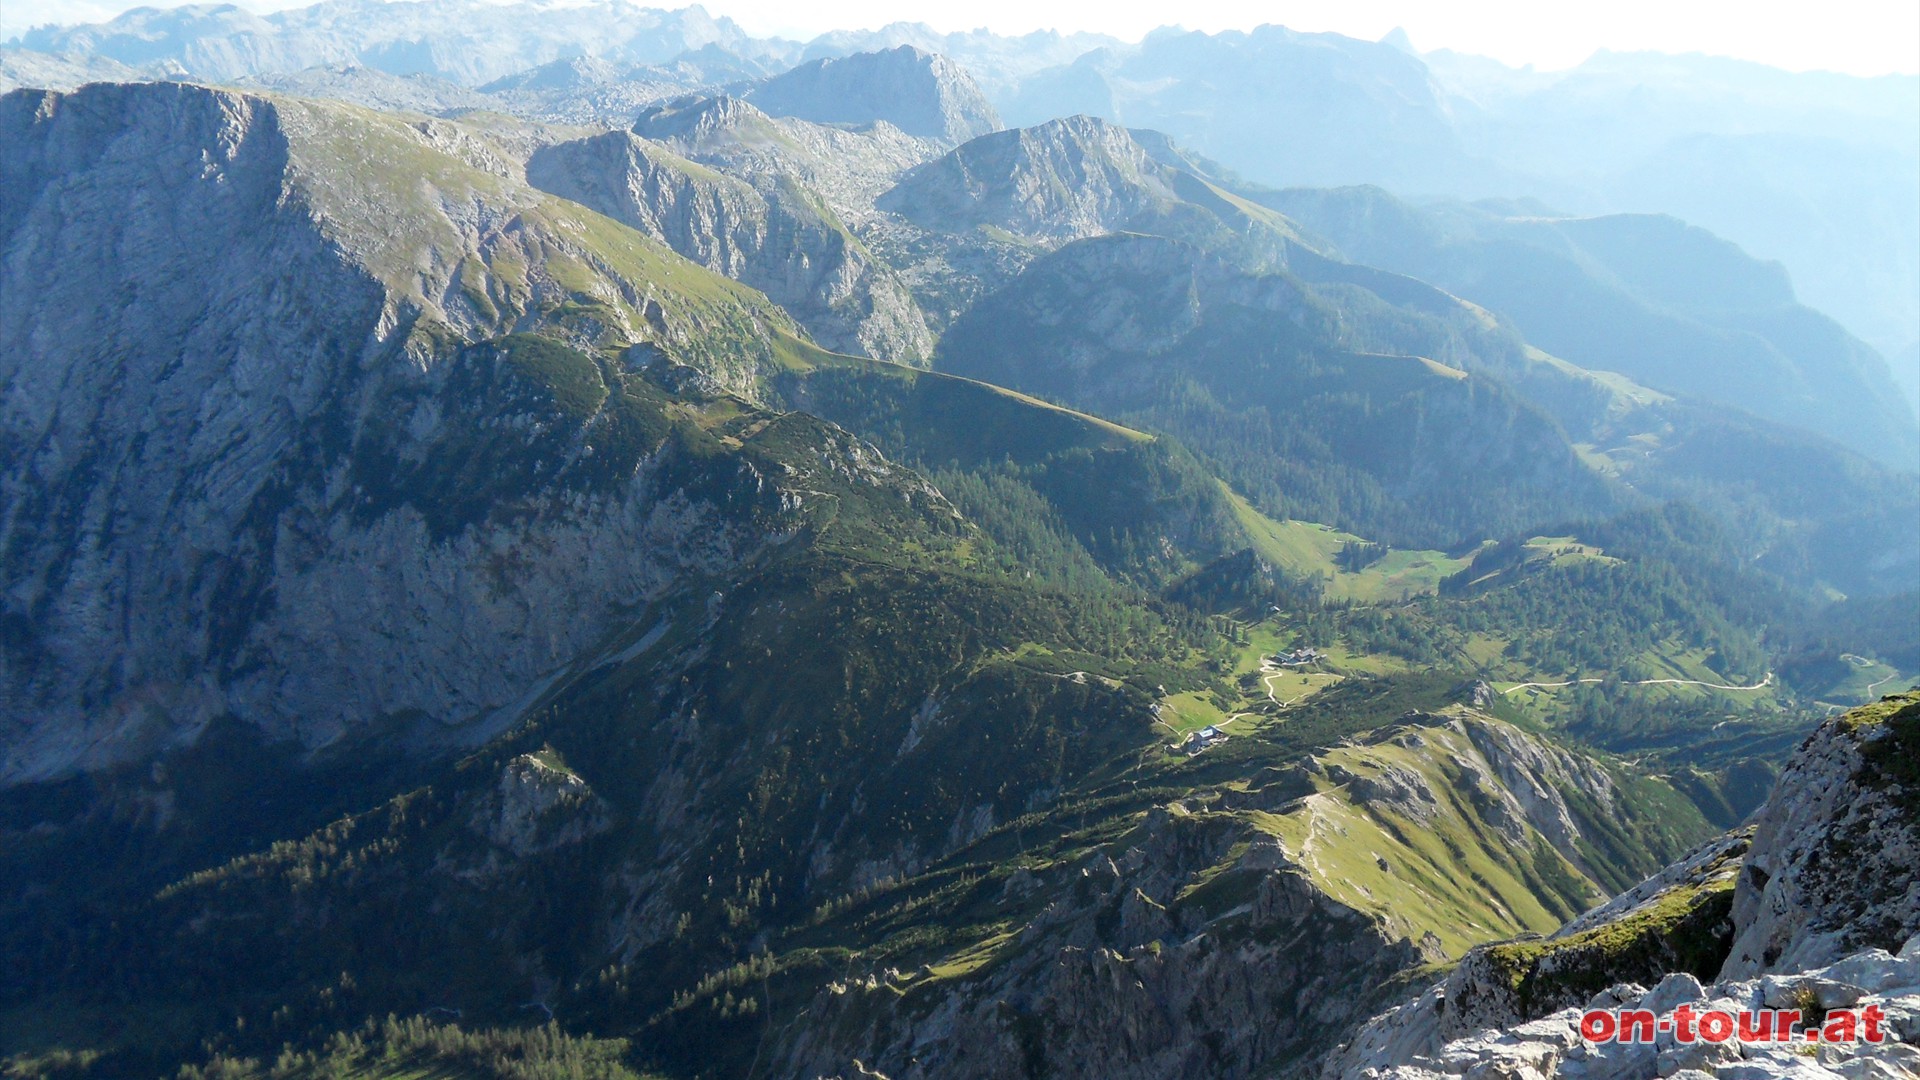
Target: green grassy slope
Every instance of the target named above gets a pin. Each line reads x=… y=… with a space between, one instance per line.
x=407 y=200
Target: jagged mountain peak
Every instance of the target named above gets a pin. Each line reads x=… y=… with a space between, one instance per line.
x=921 y=93
x=696 y=118
x=1066 y=178
x=1077 y=177
x=1079 y=136
x=847 y=167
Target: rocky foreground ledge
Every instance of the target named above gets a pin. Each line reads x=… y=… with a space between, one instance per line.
x=1553 y=1046
x=1815 y=907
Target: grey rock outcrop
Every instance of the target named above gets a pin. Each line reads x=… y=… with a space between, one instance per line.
x=845 y=169
x=921 y=93
x=1072 y=178
x=1677 y=922
x=1116 y=978
x=967 y=222
x=1835 y=864
x=538 y=806
x=1407 y=1045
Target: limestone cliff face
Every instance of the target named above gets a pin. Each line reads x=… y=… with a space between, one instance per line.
x=784 y=242
x=1835 y=864
x=1235 y=927
x=850 y=170
x=921 y=93
x=1407 y=1044
x=224 y=320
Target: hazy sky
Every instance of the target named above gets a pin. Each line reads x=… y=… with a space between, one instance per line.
x=1865 y=37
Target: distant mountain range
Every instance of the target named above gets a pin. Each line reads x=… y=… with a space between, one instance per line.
x=463 y=42
x=1812 y=170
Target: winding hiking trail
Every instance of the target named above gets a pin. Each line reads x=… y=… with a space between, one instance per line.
x=1873 y=686
x=1761 y=685
x=1863 y=662
x=1269 y=674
